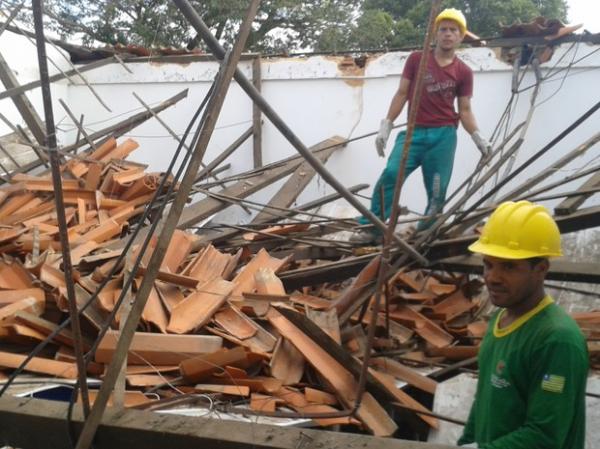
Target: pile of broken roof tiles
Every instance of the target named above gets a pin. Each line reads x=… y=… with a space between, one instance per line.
x=216 y=323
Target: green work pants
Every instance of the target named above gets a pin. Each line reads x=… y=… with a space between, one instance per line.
x=433 y=150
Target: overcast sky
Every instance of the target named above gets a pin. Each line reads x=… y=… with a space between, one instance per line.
x=586 y=12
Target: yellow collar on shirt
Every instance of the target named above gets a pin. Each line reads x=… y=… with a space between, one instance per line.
x=502 y=332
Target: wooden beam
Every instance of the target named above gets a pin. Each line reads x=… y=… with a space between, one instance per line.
x=22 y=103
x=560 y=270
x=206 y=171
x=257 y=115
x=293 y=187
x=18 y=90
x=218 y=235
x=208 y=206
x=118 y=129
x=570 y=205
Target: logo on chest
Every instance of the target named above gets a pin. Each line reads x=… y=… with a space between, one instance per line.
x=497 y=380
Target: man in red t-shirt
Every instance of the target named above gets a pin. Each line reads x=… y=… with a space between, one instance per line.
x=434 y=139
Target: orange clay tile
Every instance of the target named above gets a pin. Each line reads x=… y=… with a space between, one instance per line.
x=370 y=413
x=199 y=368
x=232 y=390
x=426 y=328
x=179 y=248
x=13 y=276
x=199 y=307
x=158 y=349
x=39 y=365
x=245 y=281
x=29 y=305
x=320 y=397
x=230 y=319
x=267 y=283
x=287 y=363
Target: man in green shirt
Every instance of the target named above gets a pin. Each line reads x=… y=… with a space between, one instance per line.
x=533 y=360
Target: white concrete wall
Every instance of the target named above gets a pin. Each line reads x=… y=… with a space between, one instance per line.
x=21 y=55
x=318 y=98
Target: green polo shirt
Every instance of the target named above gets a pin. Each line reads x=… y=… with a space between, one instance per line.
x=532 y=380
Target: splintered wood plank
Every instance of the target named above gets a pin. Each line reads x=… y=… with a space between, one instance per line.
x=107 y=230
x=426 y=328
x=275 y=230
x=172 y=278
x=232 y=390
x=83 y=250
x=320 y=397
x=263 y=403
x=147 y=380
x=405 y=374
x=199 y=307
x=19 y=333
x=52 y=276
x=39 y=365
x=30 y=305
x=155 y=313
x=257 y=384
x=199 y=368
x=326 y=320
x=9 y=296
x=245 y=280
x=47 y=327
x=158 y=349
x=231 y=320
x=298 y=402
x=178 y=250
x=287 y=363
x=370 y=413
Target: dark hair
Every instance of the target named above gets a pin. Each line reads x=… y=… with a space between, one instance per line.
x=535 y=260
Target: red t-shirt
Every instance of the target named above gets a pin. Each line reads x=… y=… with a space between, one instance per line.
x=441 y=85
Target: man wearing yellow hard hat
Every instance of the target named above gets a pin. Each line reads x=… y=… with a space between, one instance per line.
x=446 y=79
x=533 y=360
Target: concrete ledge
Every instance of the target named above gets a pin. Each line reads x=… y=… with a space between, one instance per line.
x=33 y=424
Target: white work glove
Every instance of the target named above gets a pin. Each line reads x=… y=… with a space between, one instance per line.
x=382 y=136
x=483 y=145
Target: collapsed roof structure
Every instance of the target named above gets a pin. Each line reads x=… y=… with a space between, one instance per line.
x=107 y=269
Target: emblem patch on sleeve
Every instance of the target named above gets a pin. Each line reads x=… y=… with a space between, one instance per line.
x=553 y=383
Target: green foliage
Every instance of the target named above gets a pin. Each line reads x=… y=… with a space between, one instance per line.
x=284 y=25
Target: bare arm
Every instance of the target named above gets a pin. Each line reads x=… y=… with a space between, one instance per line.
x=465 y=113
x=399 y=100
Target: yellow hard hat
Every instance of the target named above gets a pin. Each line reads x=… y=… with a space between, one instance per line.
x=453 y=14
x=520 y=230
